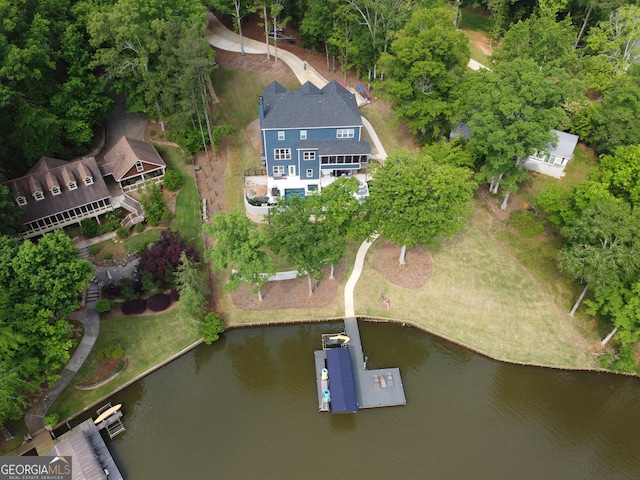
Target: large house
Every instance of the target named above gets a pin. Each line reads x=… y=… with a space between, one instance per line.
x=309 y=137
x=56 y=193
x=552 y=160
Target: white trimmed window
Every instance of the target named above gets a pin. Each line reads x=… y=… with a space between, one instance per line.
x=38 y=195
x=282 y=154
x=281 y=135
x=303 y=134
x=55 y=190
x=72 y=185
x=21 y=201
x=88 y=180
x=345 y=133
x=139 y=166
x=292 y=169
x=278 y=170
x=309 y=155
x=309 y=173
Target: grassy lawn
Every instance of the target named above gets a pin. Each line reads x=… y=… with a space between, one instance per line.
x=394 y=137
x=187 y=216
x=476 y=24
x=481 y=297
x=147 y=341
x=239 y=91
x=136 y=242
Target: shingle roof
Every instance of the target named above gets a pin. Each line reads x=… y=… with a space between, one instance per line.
x=39 y=177
x=124 y=155
x=309 y=107
x=335 y=147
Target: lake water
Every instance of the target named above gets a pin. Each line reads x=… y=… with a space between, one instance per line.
x=246 y=408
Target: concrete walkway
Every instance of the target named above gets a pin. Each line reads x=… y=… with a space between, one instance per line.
x=349 y=304
x=223 y=38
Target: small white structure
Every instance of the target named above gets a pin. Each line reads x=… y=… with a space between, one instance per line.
x=553 y=160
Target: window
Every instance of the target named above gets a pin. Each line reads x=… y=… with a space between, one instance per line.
x=55 y=190
x=280 y=135
x=38 y=195
x=345 y=133
x=139 y=166
x=21 y=201
x=278 y=171
x=88 y=180
x=309 y=155
x=303 y=134
x=312 y=188
x=309 y=173
x=292 y=169
x=282 y=154
x=72 y=185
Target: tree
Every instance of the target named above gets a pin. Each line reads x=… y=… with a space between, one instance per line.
x=188 y=273
x=163 y=257
x=10 y=213
x=294 y=231
x=613 y=45
x=423 y=70
x=318 y=25
x=611 y=122
x=211 y=327
x=239 y=245
x=236 y=8
x=510 y=112
x=191 y=307
x=154 y=204
x=415 y=200
x=621 y=173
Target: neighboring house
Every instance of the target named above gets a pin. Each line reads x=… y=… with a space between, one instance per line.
x=57 y=193
x=309 y=137
x=553 y=160
x=131 y=162
x=550 y=161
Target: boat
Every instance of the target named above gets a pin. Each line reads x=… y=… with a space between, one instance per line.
x=107 y=413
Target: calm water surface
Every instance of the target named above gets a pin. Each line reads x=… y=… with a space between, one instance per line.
x=246 y=408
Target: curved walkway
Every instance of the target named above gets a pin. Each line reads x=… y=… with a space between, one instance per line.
x=349 y=304
x=223 y=38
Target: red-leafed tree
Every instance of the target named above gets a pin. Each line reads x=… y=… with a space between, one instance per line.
x=163 y=257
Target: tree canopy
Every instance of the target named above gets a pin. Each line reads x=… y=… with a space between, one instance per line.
x=422 y=72
x=416 y=200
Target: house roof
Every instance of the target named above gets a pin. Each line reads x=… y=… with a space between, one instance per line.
x=309 y=107
x=335 y=147
x=90 y=455
x=566 y=144
x=48 y=172
x=125 y=154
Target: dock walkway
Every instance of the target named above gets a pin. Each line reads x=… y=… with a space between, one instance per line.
x=374 y=388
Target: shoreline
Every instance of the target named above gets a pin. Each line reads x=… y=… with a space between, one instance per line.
x=411 y=324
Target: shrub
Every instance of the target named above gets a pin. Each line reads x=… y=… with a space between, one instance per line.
x=111 y=291
x=152 y=132
x=94 y=249
x=108 y=256
x=172 y=180
x=526 y=222
x=89 y=227
x=130 y=289
x=138 y=227
x=103 y=306
x=175 y=295
x=114 y=351
x=159 y=302
x=149 y=282
x=133 y=307
x=51 y=419
x=154 y=205
x=123 y=232
x=211 y=327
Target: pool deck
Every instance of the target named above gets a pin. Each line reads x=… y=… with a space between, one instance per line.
x=374 y=388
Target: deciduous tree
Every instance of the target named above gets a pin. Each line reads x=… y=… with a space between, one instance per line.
x=416 y=201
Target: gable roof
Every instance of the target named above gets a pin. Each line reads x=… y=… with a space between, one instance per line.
x=309 y=107
x=566 y=144
x=125 y=154
x=49 y=172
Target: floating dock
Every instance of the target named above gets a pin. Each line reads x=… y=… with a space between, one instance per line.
x=350 y=384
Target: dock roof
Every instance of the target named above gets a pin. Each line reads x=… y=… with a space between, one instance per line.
x=341 y=382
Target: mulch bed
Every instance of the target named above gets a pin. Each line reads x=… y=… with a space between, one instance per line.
x=290 y=293
x=414 y=274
